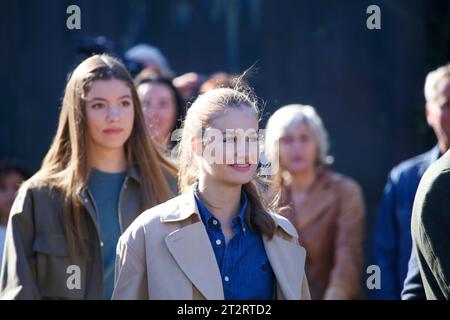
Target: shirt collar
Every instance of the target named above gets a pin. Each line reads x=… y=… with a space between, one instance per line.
x=243 y=211
x=210 y=221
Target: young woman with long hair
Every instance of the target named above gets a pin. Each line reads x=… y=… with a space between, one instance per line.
x=100 y=173
x=219 y=239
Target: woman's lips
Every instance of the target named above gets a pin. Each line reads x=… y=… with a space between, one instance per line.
x=241 y=167
x=113 y=130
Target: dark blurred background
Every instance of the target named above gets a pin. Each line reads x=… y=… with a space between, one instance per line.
x=366 y=84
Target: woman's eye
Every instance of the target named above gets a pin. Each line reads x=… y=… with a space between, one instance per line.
x=163 y=104
x=125 y=103
x=287 y=140
x=305 y=139
x=97 y=106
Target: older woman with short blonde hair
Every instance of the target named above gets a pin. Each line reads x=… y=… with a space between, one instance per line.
x=325 y=207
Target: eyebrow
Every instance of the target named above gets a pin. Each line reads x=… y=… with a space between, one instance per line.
x=126 y=96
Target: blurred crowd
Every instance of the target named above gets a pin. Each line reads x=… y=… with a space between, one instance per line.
x=324 y=208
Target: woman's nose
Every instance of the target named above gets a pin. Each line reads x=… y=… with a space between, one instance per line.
x=242 y=151
x=113 y=114
x=153 y=114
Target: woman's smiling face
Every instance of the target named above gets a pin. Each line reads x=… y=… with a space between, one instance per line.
x=230 y=147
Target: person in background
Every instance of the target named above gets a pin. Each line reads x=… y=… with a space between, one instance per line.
x=218 y=80
x=163 y=107
x=188 y=85
x=437 y=95
x=326 y=207
x=153 y=60
x=430 y=229
x=99 y=174
x=219 y=239
x=393 y=245
x=11 y=177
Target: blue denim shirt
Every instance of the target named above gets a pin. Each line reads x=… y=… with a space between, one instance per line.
x=393 y=243
x=245 y=269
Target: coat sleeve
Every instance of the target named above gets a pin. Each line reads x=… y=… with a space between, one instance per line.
x=18 y=270
x=130 y=272
x=431 y=236
x=348 y=259
x=385 y=248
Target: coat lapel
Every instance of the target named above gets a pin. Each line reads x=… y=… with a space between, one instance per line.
x=89 y=205
x=127 y=216
x=289 y=275
x=201 y=268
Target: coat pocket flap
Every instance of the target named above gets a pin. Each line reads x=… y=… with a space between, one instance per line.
x=51 y=244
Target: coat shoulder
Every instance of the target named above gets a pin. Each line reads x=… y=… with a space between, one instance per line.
x=343 y=182
x=413 y=166
x=433 y=190
x=38 y=192
x=441 y=166
x=284 y=224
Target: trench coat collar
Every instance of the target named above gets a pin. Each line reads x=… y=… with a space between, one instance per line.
x=191 y=249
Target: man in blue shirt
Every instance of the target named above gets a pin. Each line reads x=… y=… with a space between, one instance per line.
x=393 y=244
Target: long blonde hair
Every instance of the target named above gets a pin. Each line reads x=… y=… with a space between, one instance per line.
x=208 y=107
x=65 y=166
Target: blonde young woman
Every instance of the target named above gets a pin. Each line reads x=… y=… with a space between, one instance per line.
x=325 y=207
x=100 y=173
x=218 y=240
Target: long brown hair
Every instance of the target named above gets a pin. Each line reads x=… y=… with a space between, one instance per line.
x=200 y=115
x=65 y=166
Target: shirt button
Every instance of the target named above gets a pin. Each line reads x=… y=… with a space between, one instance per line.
x=215 y=222
x=101 y=244
x=218 y=242
x=226 y=279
